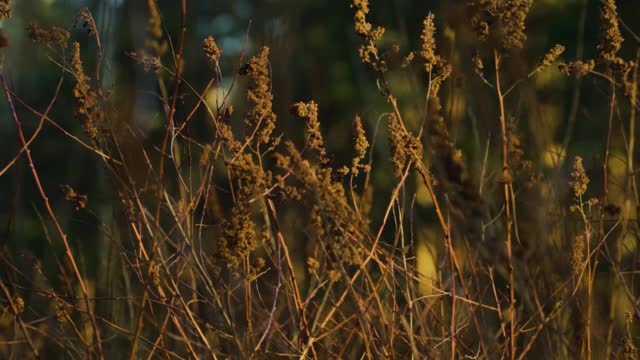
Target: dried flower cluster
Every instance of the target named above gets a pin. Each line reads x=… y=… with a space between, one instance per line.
x=428 y=51
x=148 y=62
x=577 y=254
x=551 y=56
x=502 y=21
x=79 y=201
x=611 y=42
x=249 y=180
x=435 y=66
x=260 y=117
x=369 y=53
x=630 y=349
x=85 y=20
x=610 y=36
x=361 y=144
x=330 y=215
x=238 y=239
x=405 y=148
x=5 y=9
x=54 y=36
x=577 y=68
x=511 y=16
x=86 y=108
x=449 y=157
x=579 y=179
x=315 y=140
x=211 y=49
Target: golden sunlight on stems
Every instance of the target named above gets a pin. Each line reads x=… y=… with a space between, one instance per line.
x=445 y=208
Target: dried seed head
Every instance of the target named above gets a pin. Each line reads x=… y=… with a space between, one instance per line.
x=85 y=20
x=511 y=16
x=333 y=275
x=211 y=49
x=360 y=146
x=62 y=313
x=312 y=265
x=86 y=108
x=368 y=52
x=428 y=51
x=579 y=178
x=260 y=98
x=19 y=304
x=577 y=68
x=404 y=147
x=149 y=62
x=5 y=9
x=250 y=178
x=610 y=36
x=630 y=350
x=238 y=239
x=49 y=37
x=408 y=59
x=315 y=140
x=577 y=254
x=551 y=56
x=362 y=27
x=330 y=214
x=79 y=201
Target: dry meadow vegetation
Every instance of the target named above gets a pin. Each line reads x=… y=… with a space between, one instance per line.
x=232 y=237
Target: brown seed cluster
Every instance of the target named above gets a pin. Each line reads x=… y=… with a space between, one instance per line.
x=611 y=42
x=211 y=49
x=577 y=68
x=86 y=22
x=238 y=239
x=369 y=53
x=54 y=36
x=5 y=9
x=260 y=116
x=361 y=144
x=551 y=56
x=428 y=51
x=577 y=254
x=610 y=36
x=315 y=140
x=330 y=214
x=79 y=201
x=500 y=20
x=405 y=148
x=579 y=179
x=149 y=62
x=511 y=16
x=86 y=108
